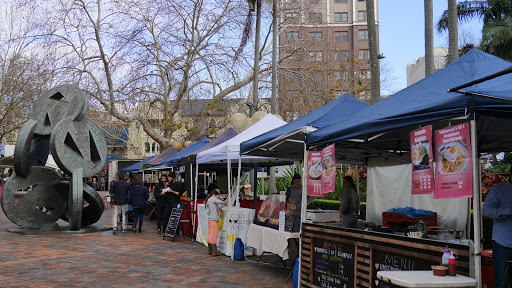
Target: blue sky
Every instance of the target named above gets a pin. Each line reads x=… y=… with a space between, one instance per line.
x=402 y=36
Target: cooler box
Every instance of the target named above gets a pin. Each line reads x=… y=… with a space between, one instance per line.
x=487 y=269
x=323 y=216
x=390 y=219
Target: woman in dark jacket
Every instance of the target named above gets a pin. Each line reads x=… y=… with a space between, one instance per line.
x=138 y=197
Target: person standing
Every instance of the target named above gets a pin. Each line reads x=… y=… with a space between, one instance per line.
x=95 y=184
x=161 y=201
x=120 y=193
x=139 y=195
x=498 y=206
x=173 y=195
x=294 y=196
x=349 y=203
x=213 y=206
x=111 y=184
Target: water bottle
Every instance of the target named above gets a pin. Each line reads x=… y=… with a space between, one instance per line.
x=452 y=265
x=446 y=256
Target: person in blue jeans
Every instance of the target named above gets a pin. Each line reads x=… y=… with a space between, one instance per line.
x=498 y=206
x=139 y=195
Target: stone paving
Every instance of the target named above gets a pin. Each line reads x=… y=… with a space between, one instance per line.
x=102 y=259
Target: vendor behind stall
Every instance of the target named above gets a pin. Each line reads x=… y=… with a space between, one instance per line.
x=349 y=203
x=294 y=196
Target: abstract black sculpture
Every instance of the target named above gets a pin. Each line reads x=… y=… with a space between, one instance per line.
x=34 y=195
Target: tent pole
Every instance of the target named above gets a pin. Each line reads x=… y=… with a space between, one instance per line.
x=228 y=217
x=303 y=212
x=255 y=188
x=194 y=199
x=238 y=182
x=477 y=201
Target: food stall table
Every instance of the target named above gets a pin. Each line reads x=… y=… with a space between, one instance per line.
x=424 y=279
x=152 y=207
x=270 y=240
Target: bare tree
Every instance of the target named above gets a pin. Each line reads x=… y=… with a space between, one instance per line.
x=156 y=52
x=25 y=69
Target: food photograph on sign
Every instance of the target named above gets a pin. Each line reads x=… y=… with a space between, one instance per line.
x=420 y=155
x=329 y=165
x=315 y=169
x=453 y=157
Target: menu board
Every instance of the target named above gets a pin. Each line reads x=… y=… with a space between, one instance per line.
x=174 y=221
x=333 y=264
x=453 y=166
x=385 y=260
x=321 y=171
x=421 y=159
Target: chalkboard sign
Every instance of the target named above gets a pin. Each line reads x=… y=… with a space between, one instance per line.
x=173 y=224
x=290 y=217
x=386 y=260
x=333 y=263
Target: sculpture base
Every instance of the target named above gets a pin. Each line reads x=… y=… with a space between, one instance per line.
x=62 y=230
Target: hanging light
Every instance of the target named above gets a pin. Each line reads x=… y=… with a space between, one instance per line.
x=238 y=121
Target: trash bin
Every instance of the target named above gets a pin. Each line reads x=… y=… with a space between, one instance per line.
x=487 y=269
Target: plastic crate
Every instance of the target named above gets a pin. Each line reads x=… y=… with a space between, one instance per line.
x=390 y=219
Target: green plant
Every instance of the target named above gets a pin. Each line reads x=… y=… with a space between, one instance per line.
x=284 y=181
x=325 y=204
x=263 y=186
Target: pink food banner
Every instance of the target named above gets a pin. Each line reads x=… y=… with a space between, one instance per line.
x=321 y=171
x=421 y=159
x=453 y=165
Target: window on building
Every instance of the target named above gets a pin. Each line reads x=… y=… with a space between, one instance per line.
x=344 y=75
x=364 y=54
x=147 y=147
x=341 y=36
x=154 y=147
x=341 y=17
x=155 y=123
x=292 y=17
x=337 y=75
x=292 y=1
x=317 y=35
x=315 y=56
x=363 y=35
x=315 y=1
x=315 y=18
x=361 y=15
x=366 y=75
x=292 y=35
x=340 y=1
x=361 y=0
x=342 y=55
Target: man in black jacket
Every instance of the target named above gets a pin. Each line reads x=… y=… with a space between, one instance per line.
x=161 y=201
x=172 y=194
x=121 y=190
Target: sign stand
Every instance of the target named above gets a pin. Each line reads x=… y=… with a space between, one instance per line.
x=174 y=224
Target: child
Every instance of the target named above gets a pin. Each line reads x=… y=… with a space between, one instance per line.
x=213 y=205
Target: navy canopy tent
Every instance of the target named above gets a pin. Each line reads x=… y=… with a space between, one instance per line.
x=191 y=158
x=136 y=168
x=287 y=141
x=173 y=160
x=383 y=128
x=160 y=158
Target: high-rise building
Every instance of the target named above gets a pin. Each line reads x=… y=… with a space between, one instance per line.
x=416 y=70
x=323 y=51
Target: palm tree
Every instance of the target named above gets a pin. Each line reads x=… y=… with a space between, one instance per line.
x=453 y=32
x=372 y=46
x=429 y=38
x=496 y=17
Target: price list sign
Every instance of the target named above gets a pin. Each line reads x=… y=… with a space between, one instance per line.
x=321 y=171
x=453 y=167
x=421 y=159
x=333 y=264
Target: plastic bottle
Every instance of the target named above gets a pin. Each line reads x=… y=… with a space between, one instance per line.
x=452 y=265
x=446 y=256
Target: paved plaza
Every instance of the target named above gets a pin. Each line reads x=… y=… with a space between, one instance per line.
x=101 y=259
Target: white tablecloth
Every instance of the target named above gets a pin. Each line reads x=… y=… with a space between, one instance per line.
x=424 y=279
x=244 y=218
x=270 y=240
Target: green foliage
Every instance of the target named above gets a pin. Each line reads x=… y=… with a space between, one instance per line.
x=283 y=182
x=263 y=186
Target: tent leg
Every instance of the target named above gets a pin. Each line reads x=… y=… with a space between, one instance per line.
x=255 y=191
x=304 y=207
x=238 y=182
x=477 y=207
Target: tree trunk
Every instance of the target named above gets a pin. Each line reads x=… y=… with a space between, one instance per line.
x=373 y=47
x=429 y=38
x=273 y=101
x=453 y=33
x=254 y=106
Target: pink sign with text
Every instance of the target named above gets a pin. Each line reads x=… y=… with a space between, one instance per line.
x=453 y=165
x=321 y=171
x=421 y=159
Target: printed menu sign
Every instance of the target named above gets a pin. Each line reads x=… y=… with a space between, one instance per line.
x=321 y=171
x=333 y=264
x=421 y=159
x=453 y=166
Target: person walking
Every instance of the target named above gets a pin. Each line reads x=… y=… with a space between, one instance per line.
x=139 y=195
x=498 y=206
x=172 y=195
x=120 y=193
x=161 y=202
x=349 y=203
x=214 y=205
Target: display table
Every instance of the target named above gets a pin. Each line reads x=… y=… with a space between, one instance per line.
x=152 y=208
x=323 y=216
x=243 y=217
x=270 y=240
x=424 y=279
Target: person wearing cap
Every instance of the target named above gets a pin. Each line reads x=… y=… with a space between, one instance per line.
x=498 y=206
x=294 y=196
x=161 y=201
x=173 y=195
